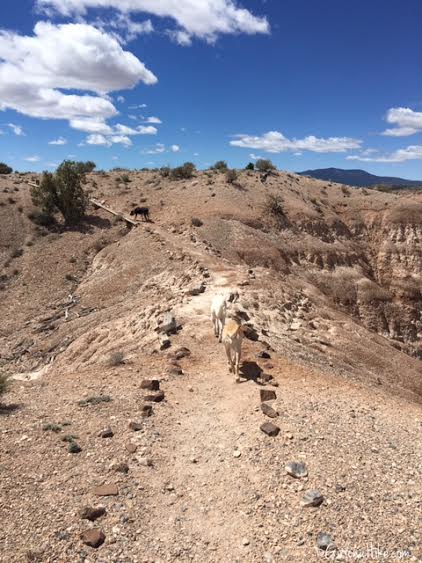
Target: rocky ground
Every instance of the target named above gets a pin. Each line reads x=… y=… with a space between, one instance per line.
x=188 y=472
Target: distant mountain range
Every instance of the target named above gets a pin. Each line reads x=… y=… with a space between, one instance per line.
x=358 y=178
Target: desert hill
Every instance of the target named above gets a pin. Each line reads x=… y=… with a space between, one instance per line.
x=330 y=285
x=359 y=178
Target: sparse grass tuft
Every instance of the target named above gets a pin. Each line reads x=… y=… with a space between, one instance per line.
x=196 y=222
x=116 y=359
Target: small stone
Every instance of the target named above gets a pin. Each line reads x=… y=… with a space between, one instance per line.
x=340 y=488
x=324 y=541
x=135 y=426
x=182 y=352
x=267 y=395
x=107 y=433
x=196 y=289
x=165 y=343
x=155 y=397
x=150 y=384
x=296 y=469
x=145 y=461
x=264 y=355
x=312 y=498
x=74 y=448
x=93 y=537
x=90 y=513
x=175 y=370
x=237 y=453
x=121 y=467
x=146 y=411
x=106 y=491
x=268 y=410
x=168 y=324
x=245 y=541
x=131 y=448
x=270 y=429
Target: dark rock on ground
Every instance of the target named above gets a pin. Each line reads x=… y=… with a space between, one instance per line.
x=165 y=343
x=267 y=395
x=155 y=397
x=92 y=513
x=270 y=429
x=168 y=324
x=150 y=384
x=182 y=352
x=121 y=467
x=146 y=410
x=312 y=498
x=135 y=426
x=107 y=433
x=268 y=410
x=263 y=354
x=93 y=537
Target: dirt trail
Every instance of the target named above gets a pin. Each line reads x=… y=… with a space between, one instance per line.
x=202 y=467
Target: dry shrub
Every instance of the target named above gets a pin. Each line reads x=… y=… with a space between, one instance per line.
x=4 y=383
x=340 y=284
x=273 y=209
x=370 y=291
x=196 y=222
x=231 y=176
x=116 y=359
x=407 y=213
x=409 y=288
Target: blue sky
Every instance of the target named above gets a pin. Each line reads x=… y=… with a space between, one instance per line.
x=306 y=83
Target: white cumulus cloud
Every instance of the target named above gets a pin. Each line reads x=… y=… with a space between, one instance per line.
x=37 y=71
x=276 y=142
x=413 y=152
x=205 y=19
x=153 y=119
x=17 y=129
x=59 y=141
x=175 y=148
x=407 y=122
x=34 y=158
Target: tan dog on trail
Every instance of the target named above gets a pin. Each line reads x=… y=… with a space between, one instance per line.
x=232 y=340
